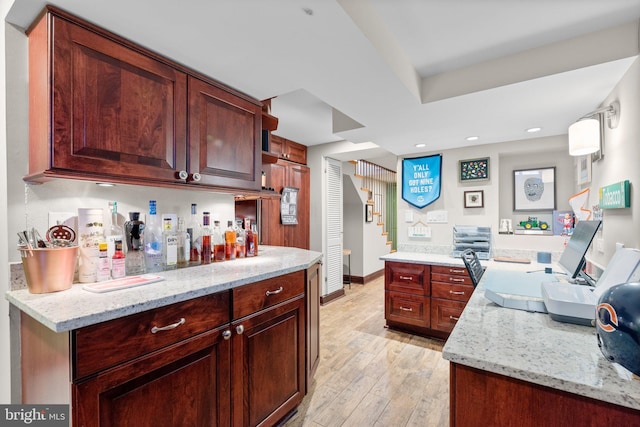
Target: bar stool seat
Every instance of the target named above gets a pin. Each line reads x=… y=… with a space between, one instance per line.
x=347 y=252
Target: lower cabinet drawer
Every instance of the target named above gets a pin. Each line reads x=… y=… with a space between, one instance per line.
x=110 y=343
x=445 y=314
x=451 y=291
x=407 y=308
x=256 y=296
x=407 y=277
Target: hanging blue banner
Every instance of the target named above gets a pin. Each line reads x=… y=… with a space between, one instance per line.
x=421 y=180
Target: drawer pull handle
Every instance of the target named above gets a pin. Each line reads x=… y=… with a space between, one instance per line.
x=454 y=318
x=406 y=277
x=277 y=291
x=406 y=309
x=226 y=334
x=156 y=329
x=453 y=270
x=456 y=293
x=451 y=279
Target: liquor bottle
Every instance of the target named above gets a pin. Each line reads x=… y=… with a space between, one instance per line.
x=205 y=254
x=217 y=240
x=169 y=243
x=113 y=233
x=184 y=245
x=134 y=233
x=241 y=248
x=229 y=242
x=249 y=239
x=193 y=228
x=118 y=268
x=103 y=273
x=256 y=238
x=153 y=240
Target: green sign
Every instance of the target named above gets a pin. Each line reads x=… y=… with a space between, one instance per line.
x=615 y=196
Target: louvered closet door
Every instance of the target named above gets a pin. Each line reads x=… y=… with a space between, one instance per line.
x=334 y=226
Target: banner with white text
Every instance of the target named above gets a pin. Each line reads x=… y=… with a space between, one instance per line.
x=421 y=180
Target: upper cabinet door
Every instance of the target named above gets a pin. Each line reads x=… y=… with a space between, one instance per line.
x=116 y=111
x=225 y=137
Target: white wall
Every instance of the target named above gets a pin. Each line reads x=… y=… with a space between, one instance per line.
x=498 y=195
x=5 y=359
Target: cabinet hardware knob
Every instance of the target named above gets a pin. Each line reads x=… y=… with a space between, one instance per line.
x=157 y=329
x=406 y=277
x=183 y=175
x=454 y=318
x=456 y=293
x=406 y=309
x=451 y=279
x=239 y=329
x=195 y=177
x=226 y=334
x=277 y=291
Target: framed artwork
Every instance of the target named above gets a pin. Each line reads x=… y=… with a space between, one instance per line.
x=583 y=169
x=368 y=212
x=474 y=170
x=534 y=189
x=474 y=199
x=289 y=206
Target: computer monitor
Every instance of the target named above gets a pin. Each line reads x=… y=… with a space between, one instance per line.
x=573 y=257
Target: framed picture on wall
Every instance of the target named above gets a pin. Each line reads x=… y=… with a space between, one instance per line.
x=474 y=170
x=474 y=199
x=583 y=169
x=534 y=189
x=368 y=212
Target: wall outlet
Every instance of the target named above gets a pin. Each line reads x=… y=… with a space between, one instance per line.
x=600 y=245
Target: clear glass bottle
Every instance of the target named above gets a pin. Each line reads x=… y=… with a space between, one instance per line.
x=249 y=239
x=217 y=240
x=229 y=242
x=184 y=245
x=134 y=261
x=169 y=244
x=153 y=241
x=195 y=232
x=205 y=254
x=241 y=248
x=118 y=267
x=113 y=232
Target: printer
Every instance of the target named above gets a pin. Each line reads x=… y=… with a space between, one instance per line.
x=574 y=303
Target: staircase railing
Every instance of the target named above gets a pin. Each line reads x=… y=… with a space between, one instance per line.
x=380 y=185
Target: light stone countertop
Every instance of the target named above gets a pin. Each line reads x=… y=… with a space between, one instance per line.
x=531 y=346
x=75 y=307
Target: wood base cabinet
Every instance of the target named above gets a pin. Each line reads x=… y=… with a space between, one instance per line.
x=234 y=358
x=425 y=299
x=479 y=397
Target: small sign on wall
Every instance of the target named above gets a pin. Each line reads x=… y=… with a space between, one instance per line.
x=421 y=180
x=615 y=196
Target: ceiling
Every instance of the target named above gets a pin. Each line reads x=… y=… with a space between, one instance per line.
x=394 y=73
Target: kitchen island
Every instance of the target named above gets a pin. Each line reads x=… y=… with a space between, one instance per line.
x=231 y=343
x=512 y=367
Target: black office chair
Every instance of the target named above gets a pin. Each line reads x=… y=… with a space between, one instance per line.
x=472 y=263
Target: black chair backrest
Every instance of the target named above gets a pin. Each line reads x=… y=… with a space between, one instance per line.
x=472 y=263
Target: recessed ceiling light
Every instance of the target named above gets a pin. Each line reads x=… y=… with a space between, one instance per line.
x=532 y=130
x=473 y=138
x=420 y=145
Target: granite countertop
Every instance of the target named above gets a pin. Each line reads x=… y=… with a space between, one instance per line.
x=531 y=346
x=75 y=307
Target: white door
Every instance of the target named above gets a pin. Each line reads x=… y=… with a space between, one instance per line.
x=334 y=226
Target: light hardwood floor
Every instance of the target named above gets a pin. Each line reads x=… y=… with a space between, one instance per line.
x=372 y=376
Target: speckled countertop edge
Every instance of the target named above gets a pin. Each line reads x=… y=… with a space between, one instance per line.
x=531 y=346
x=75 y=307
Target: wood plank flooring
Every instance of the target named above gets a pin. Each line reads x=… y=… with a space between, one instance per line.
x=371 y=376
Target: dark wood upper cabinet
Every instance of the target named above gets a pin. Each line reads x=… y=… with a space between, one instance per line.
x=225 y=137
x=287 y=149
x=103 y=108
